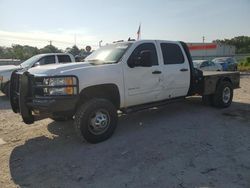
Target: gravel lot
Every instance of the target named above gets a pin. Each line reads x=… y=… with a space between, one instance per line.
x=183 y=144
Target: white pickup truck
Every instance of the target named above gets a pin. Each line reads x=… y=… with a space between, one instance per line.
x=125 y=76
x=37 y=60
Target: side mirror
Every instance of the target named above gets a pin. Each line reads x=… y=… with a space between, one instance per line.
x=37 y=64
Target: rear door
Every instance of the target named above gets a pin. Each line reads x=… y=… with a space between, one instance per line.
x=176 y=69
x=142 y=84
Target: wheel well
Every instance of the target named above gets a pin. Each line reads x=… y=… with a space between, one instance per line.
x=227 y=79
x=224 y=79
x=107 y=91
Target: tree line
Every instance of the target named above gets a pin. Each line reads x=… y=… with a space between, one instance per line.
x=242 y=43
x=24 y=52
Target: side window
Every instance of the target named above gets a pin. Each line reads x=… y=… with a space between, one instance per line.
x=172 y=54
x=47 y=60
x=205 y=64
x=211 y=63
x=63 y=58
x=146 y=46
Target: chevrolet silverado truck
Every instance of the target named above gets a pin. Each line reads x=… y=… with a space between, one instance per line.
x=125 y=76
x=37 y=60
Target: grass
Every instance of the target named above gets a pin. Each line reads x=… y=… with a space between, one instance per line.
x=244 y=65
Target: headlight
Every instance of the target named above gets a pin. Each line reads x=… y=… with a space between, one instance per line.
x=60 y=86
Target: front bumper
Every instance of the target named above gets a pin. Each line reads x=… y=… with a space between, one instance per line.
x=33 y=106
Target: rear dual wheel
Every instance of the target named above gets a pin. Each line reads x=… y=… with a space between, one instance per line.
x=222 y=98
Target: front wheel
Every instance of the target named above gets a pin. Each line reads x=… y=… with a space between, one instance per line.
x=96 y=120
x=223 y=95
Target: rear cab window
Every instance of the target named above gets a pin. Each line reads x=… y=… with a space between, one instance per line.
x=64 y=58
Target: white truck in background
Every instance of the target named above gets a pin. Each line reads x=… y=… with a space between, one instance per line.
x=37 y=60
x=125 y=76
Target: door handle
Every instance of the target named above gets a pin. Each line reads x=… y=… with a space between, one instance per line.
x=156 y=72
x=184 y=70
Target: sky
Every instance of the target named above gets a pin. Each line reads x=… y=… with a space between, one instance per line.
x=86 y=22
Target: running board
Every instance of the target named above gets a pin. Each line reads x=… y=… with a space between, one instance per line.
x=151 y=105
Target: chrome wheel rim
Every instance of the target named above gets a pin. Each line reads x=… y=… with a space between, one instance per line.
x=99 y=122
x=226 y=95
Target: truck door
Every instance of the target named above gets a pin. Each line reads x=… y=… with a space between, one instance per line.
x=176 y=70
x=142 y=84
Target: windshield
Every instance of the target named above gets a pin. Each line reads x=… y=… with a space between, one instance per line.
x=29 y=62
x=108 y=54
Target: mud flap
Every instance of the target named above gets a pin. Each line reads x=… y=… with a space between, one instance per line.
x=25 y=112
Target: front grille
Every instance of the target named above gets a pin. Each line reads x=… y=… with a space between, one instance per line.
x=14 y=91
x=38 y=91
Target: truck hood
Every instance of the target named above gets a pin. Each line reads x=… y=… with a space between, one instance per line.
x=8 y=68
x=56 y=69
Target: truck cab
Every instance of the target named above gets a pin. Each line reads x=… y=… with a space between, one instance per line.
x=37 y=60
x=125 y=76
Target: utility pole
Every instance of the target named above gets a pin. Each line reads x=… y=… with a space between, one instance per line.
x=75 y=39
x=50 y=42
x=100 y=43
x=205 y=50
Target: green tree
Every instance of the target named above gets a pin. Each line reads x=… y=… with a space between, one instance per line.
x=49 y=49
x=242 y=43
x=4 y=53
x=74 y=50
x=23 y=52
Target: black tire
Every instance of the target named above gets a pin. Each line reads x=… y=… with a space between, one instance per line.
x=84 y=124
x=207 y=99
x=6 y=89
x=218 y=100
x=62 y=118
